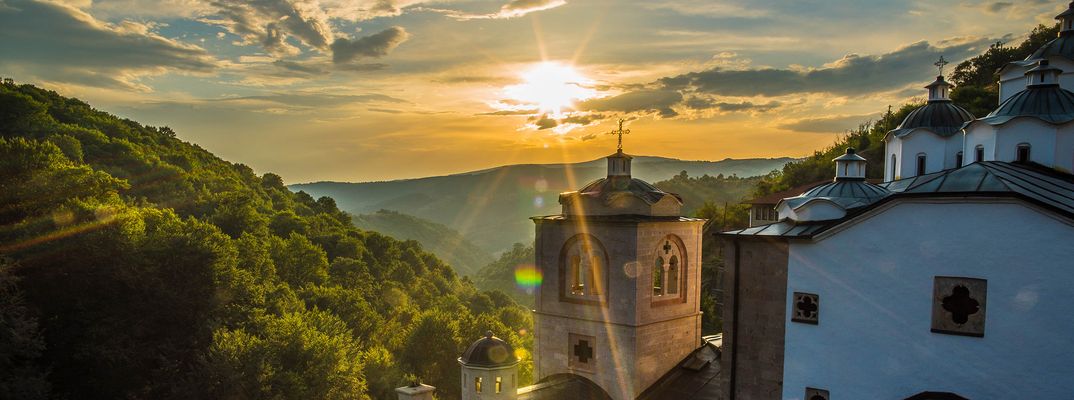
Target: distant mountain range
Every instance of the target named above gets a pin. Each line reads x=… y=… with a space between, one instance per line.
x=492 y=207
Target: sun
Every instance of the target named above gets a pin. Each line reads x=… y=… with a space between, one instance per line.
x=551 y=87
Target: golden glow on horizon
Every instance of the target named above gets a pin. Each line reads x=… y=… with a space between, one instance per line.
x=551 y=87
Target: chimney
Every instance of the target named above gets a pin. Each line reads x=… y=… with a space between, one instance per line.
x=415 y=391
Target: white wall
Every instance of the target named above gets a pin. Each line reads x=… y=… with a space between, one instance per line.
x=893 y=146
x=1039 y=134
x=979 y=133
x=1013 y=79
x=921 y=141
x=875 y=281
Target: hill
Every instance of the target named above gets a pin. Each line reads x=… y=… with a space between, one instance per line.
x=491 y=207
x=135 y=265
x=444 y=242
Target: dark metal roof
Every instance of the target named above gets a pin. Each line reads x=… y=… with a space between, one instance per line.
x=1068 y=12
x=847 y=193
x=696 y=377
x=1060 y=46
x=563 y=387
x=1050 y=103
x=609 y=187
x=489 y=352
x=942 y=117
x=1034 y=183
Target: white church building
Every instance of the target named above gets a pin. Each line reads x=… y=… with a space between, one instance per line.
x=951 y=280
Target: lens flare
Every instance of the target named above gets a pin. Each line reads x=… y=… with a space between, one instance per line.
x=528 y=276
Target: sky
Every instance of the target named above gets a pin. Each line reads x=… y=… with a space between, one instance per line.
x=363 y=90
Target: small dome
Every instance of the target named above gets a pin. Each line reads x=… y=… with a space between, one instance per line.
x=1050 y=103
x=941 y=117
x=847 y=194
x=489 y=352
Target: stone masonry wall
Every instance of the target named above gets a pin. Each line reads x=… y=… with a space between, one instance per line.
x=756 y=360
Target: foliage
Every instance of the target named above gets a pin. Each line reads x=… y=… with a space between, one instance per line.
x=977 y=79
x=446 y=243
x=146 y=267
x=500 y=274
x=700 y=192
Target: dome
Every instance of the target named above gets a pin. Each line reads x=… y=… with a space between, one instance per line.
x=847 y=194
x=610 y=187
x=1060 y=46
x=489 y=352
x=1049 y=103
x=943 y=118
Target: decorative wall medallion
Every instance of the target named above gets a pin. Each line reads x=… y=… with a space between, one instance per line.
x=581 y=351
x=958 y=305
x=806 y=308
x=816 y=394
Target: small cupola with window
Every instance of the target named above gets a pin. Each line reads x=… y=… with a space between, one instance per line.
x=939 y=90
x=849 y=166
x=1043 y=75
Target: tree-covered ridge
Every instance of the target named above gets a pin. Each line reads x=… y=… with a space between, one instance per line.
x=976 y=90
x=446 y=243
x=136 y=265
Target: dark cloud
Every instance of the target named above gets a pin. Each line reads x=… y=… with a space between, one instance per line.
x=852 y=75
x=361 y=67
x=44 y=38
x=644 y=100
x=544 y=122
x=372 y=46
x=998 y=6
x=314 y=99
x=829 y=124
x=301 y=68
x=582 y=119
x=270 y=22
x=588 y=137
x=512 y=112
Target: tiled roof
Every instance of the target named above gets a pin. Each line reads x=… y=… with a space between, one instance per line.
x=563 y=387
x=696 y=378
x=942 y=117
x=1050 y=103
x=1034 y=183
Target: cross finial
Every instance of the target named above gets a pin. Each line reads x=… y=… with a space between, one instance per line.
x=940 y=64
x=620 y=132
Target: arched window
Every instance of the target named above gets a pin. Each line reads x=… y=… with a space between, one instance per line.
x=658 y=276
x=582 y=269
x=477 y=384
x=894 y=171
x=921 y=164
x=1022 y=154
x=668 y=269
x=673 y=276
x=958 y=159
x=978 y=153
x=499 y=385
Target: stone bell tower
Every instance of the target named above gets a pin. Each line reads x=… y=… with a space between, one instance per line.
x=619 y=304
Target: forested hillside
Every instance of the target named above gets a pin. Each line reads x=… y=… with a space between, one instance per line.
x=138 y=266
x=444 y=242
x=976 y=89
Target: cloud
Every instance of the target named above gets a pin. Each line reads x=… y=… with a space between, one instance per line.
x=852 y=75
x=827 y=124
x=43 y=39
x=643 y=100
x=373 y=46
x=513 y=9
x=271 y=22
x=312 y=99
x=513 y=112
x=997 y=6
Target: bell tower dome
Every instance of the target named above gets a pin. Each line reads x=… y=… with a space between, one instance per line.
x=620 y=302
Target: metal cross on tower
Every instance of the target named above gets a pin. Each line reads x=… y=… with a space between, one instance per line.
x=620 y=132
x=940 y=64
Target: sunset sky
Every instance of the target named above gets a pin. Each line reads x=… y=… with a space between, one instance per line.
x=357 y=90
